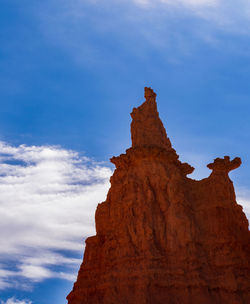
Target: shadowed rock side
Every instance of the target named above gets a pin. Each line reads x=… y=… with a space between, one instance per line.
x=162 y=238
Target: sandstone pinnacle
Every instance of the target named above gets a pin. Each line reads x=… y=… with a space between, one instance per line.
x=161 y=237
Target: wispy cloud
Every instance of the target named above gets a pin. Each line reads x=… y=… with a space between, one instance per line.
x=100 y=33
x=188 y=3
x=47 y=204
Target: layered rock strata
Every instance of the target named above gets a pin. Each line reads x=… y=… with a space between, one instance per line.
x=163 y=238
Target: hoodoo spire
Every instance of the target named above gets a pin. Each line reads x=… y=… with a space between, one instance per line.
x=146 y=127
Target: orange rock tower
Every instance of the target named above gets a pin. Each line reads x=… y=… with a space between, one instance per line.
x=162 y=238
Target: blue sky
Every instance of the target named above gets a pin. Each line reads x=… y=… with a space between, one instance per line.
x=70 y=73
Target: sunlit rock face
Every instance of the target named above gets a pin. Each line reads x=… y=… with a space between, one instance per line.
x=163 y=238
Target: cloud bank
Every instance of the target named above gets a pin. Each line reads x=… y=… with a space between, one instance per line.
x=47 y=204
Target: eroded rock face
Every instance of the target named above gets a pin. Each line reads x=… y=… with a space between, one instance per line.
x=162 y=238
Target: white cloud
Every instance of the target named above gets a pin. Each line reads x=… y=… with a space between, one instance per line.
x=243 y=198
x=47 y=204
x=15 y=301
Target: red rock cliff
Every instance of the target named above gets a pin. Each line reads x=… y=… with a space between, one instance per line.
x=162 y=238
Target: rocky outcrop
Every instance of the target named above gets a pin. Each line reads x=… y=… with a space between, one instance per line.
x=163 y=238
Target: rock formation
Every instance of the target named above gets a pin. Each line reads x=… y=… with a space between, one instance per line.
x=163 y=238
